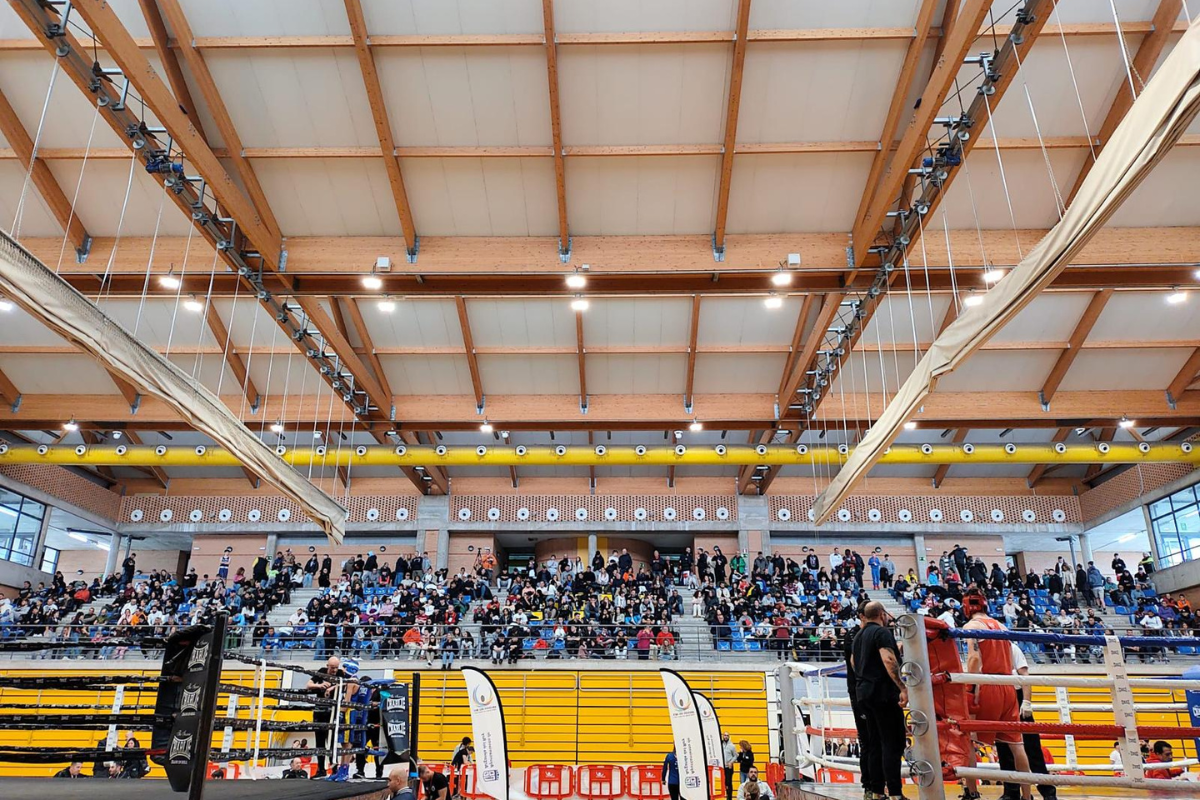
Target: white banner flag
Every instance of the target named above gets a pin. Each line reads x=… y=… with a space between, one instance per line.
x=689 y=739
x=487 y=725
x=710 y=728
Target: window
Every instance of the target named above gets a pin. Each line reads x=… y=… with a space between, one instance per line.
x=1175 y=520
x=50 y=560
x=20 y=524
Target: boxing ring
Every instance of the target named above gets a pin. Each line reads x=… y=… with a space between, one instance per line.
x=195 y=746
x=816 y=709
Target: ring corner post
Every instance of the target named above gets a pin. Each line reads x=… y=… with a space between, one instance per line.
x=925 y=761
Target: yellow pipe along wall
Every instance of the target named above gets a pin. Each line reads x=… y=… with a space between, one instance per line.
x=734 y=455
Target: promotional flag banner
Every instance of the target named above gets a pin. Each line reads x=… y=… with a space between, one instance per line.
x=689 y=738
x=710 y=728
x=487 y=725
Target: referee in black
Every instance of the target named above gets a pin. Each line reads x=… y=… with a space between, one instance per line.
x=868 y=759
x=882 y=696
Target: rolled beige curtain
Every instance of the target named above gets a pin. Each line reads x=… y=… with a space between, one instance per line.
x=47 y=297
x=1159 y=116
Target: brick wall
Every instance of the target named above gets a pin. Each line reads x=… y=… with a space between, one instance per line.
x=92 y=561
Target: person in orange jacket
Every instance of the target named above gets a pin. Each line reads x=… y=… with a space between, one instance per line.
x=1161 y=753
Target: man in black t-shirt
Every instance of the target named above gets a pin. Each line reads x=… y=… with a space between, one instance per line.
x=437 y=785
x=868 y=758
x=875 y=660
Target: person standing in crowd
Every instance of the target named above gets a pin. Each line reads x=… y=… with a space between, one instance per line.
x=876 y=565
x=128 y=569
x=745 y=759
x=311 y=567
x=881 y=694
x=223 y=568
x=887 y=572
x=670 y=774
x=728 y=756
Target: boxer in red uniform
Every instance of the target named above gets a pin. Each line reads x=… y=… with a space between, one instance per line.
x=992 y=703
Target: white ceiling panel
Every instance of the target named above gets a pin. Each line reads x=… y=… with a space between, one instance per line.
x=294 y=97
x=796 y=193
x=1157 y=201
x=330 y=197
x=621 y=16
x=414 y=323
x=636 y=374
x=873 y=372
x=1070 y=11
x=638 y=322
x=737 y=373
x=521 y=323
x=158 y=322
x=36 y=219
x=18 y=328
x=213 y=373
x=1001 y=371
x=1051 y=317
x=897 y=316
x=427 y=374
x=250 y=326
x=977 y=197
x=529 y=374
x=1145 y=316
x=482 y=196
x=102 y=206
x=453 y=16
x=842 y=14
x=284 y=378
x=1124 y=369
x=643 y=94
x=745 y=321
x=642 y=195
x=818 y=91
x=71 y=374
x=455 y=96
x=266 y=17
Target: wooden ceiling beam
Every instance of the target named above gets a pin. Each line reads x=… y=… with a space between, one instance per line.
x=369 y=349
x=732 y=106
x=1065 y=359
x=383 y=125
x=9 y=393
x=795 y=349
x=167 y=50
x=43 y=179
x=196 y=64
x=692 y=351
x=1178 y=388
x=464 y=321
x=1162 y=25
x=581 y=353
x=158 y=473
x=908 y=70
x=560 y=175
x=960 y=436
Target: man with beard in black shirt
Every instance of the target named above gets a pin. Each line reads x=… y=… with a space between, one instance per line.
x=882 y=696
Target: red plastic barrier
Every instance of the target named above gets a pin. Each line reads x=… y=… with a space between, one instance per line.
x=599 y=781
x=467 y=783
x=835 y=776
x=775 y=773
x=716 y=782
x=549 y=781
x=644 y=782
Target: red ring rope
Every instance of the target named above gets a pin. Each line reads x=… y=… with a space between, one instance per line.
x=811 y=731
x=1105 y=731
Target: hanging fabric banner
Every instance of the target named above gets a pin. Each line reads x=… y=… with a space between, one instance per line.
x=487 y=725
x=710 y=728
x=688 y=735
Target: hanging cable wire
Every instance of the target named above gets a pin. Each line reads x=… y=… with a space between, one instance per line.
x=33 y=155
x=1074 y=82
x=187 y=251
x=105 y=285
x=1003 y=176
x=87 y=153
x=1124 y=48
x=150 y=262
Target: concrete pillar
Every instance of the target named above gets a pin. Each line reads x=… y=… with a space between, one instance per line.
x=1085 y=548
x=272 y=545
x=766 y=542
x=443 y=548
x=39 y=546
x=744 y=544
x=593 y=544
x=1150 y=534
x=919 y=549
x=114 y=550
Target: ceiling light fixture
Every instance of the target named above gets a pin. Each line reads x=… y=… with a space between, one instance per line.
x=576 y=281
x=486 y=427
x=277 y=427
x=387 y=305
x=773 y=301
x=1176 y=296
x=193 y=305
x=910 y=426
x=116 y=434
x=972 y=299
x=170 y=280
x=503 y=434
x=6 y=304
x=372 y=282
x=993 y=275
x=1129 y=537
x=71 y=425
x=317 y=434
x=782 y=277
x=1126 y=422
x=678 y=434
x=696 y=426
x=580 y=304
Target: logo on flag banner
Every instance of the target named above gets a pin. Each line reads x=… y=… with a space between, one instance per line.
x=710 y=728
x=688 y=736
x=181 y=749
x=487 y=725
x=199 y=657
x=189 y=700
x=393 y=711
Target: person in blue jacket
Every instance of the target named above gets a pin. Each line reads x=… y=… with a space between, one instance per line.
x=670 y=774
x=874 y=563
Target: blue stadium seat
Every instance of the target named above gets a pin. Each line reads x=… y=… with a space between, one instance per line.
x=739 y=645
x=754 y=645
x=1121 y=610
x=723 y=646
